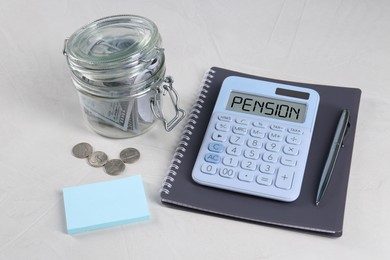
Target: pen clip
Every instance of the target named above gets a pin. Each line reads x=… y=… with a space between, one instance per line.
x=346 y=130
x=345 y=133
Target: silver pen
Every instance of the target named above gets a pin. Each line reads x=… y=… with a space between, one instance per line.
x=333 y=154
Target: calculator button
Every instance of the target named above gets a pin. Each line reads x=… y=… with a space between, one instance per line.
x=225 y=118
x=252 y=154
x=292 y=139
x=258 y=133
x=212 y=158
x=275 y=136
x=263 y=179
x=246 y=176
x=230 y=161
x=216 y=147
x=294 y=130
x=270 y=157
x=240 y=130
x=267 y=168
x=221 y=126
x=284 y=178
x=248 y=165
x=226 y=172
x=273 y=147
x=209 y=168
x=277 y=127
x=254 y=143
x=236 y=139
x=288 y=161
x=242 y=121
x=259 y=124
x=234 y=150
x=291 y=150
x=220 y=137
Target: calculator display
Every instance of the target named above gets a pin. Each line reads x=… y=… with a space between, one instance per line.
x=268 y=107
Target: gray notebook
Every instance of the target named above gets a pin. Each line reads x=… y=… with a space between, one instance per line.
x=179 y=190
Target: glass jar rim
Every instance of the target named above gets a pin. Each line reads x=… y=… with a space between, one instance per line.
x=143 y=30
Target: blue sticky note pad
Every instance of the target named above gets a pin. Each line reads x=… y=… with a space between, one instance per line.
x=105 y=204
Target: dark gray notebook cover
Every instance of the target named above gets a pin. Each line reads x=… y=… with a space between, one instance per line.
x=180 y=190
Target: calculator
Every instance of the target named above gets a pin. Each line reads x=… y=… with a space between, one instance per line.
x=258 y=139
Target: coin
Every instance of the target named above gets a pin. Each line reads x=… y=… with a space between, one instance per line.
x=114 y=167
x=82 y=150
x=129 y=155
x=97 y=159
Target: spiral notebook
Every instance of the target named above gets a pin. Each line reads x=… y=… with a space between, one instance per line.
x=179 y=190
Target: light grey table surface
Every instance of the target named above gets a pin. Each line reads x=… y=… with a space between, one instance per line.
x=342 y=43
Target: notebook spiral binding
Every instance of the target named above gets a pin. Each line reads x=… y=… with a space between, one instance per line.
x=187 y=132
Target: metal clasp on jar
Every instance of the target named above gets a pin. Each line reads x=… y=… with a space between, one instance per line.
x=155 y=104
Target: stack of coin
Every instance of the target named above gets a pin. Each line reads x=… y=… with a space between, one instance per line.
x=100 y=159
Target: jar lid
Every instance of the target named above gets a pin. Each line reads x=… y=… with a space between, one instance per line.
x=107 y=42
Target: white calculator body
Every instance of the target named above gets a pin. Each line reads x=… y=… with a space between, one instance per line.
x=258 y=139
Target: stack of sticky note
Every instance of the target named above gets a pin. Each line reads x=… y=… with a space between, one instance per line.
x=105 y=204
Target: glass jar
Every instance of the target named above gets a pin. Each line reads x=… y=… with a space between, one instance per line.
x=117 y=65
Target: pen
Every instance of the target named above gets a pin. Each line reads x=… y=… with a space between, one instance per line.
x=333 y=153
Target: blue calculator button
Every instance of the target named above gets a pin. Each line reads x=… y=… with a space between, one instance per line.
x=295 y=130
x=259 y=124
x=258 y=133
x=212 y=158
x=288 y=161
x=209 y=168
x=291 y=150
x=264 y=179
x=240 y=130
x=246 y=176
x=274 y=136
x=284 y=179
x=292 y=139
x=220 y=137
x=277 y=127
x=242 y=121
x=225 y=118
x=227 y=172
x=221 y=126
x=216 y=147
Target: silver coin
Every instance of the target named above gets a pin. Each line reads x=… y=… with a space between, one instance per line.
x=97 y=159
x=82 y=150
x=129 y=155
x=114 y=167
